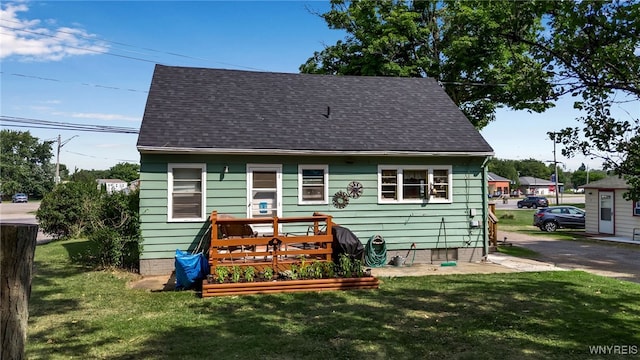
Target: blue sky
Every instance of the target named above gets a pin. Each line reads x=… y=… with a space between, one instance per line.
x=91 y=62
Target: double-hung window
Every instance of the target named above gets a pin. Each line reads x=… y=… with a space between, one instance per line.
x=636 y=208
x=414 y=184
x=313 y=184
x=186 y=185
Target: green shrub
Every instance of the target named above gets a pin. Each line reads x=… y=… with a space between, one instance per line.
x=111 y=221
x=108 y=250
x=116 y=230
x=68 y=209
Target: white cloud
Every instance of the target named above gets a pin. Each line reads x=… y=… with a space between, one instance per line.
x=107 y=117
x=97 y=116
x=35 y=41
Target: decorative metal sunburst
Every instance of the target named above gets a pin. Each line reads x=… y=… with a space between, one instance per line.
x=340 y=199
x=354 y=189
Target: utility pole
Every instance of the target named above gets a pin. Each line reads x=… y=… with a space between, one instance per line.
x=555 y=165
x=587 y=174
x=60 y=145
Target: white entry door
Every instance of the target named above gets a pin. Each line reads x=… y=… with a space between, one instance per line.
x=606 y=213
x=264 y=193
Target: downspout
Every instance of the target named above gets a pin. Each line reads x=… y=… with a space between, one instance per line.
x=485 y=206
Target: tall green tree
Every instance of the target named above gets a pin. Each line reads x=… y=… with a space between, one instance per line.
x=506 y=169
x=125 y=171
x=591 y=47
x=581 y=177
x=534 y=168
x=447 y=40
x=25 y=164
x=89 y=176
x=519 y=54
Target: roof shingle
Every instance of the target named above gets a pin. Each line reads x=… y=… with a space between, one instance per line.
x=215 y=109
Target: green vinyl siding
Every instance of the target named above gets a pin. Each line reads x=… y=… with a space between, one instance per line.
x=401 y=225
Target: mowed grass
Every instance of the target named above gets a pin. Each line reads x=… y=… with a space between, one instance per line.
x=82 y=314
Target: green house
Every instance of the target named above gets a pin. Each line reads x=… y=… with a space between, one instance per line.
x=386 y=156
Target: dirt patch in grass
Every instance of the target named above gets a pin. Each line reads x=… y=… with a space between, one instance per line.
x=154 y=283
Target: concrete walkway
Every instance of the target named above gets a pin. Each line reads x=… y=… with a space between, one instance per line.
x=616 y=260
x=495 y=263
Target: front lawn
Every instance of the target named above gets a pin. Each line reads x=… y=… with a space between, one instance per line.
x=83 y=314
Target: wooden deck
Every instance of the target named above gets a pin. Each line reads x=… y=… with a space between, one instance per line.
x=234 y=243
x=274 y=287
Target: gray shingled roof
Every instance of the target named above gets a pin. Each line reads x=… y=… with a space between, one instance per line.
x=610 y=182
x=215 y=110
x=530 y=180
x=494 y=177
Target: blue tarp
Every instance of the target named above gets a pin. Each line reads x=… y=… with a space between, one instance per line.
x=190 y=268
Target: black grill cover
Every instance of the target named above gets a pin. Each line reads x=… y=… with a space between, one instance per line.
x=345 y=242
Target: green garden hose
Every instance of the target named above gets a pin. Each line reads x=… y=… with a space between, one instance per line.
x=375 y=253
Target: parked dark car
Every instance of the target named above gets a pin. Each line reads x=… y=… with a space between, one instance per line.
x=533 y=202
x=19 y=198
x=554 y=217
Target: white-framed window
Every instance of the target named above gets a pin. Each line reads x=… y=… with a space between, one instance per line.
x=313 y=184
x=187 y=192
x=636 y=208
x=414 y=184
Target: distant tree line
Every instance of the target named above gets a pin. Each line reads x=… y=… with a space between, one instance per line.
x=122 y=171
x=514 y=169
x=27 y=165
x=76 y=207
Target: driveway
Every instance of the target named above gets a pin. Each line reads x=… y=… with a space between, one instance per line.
x=22 y=213
x=615 y=260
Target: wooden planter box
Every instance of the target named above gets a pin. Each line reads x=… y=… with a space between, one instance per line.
x=282 y=286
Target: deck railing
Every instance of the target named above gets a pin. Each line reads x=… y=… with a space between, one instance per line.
x=234 y=243
x=493 y=225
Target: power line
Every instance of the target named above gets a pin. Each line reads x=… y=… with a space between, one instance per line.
x=115 y=42
x=108 y=53
x=70 y=82
x=80 y=48
x=123 y=44
x=57 y=125
x=97 y=157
